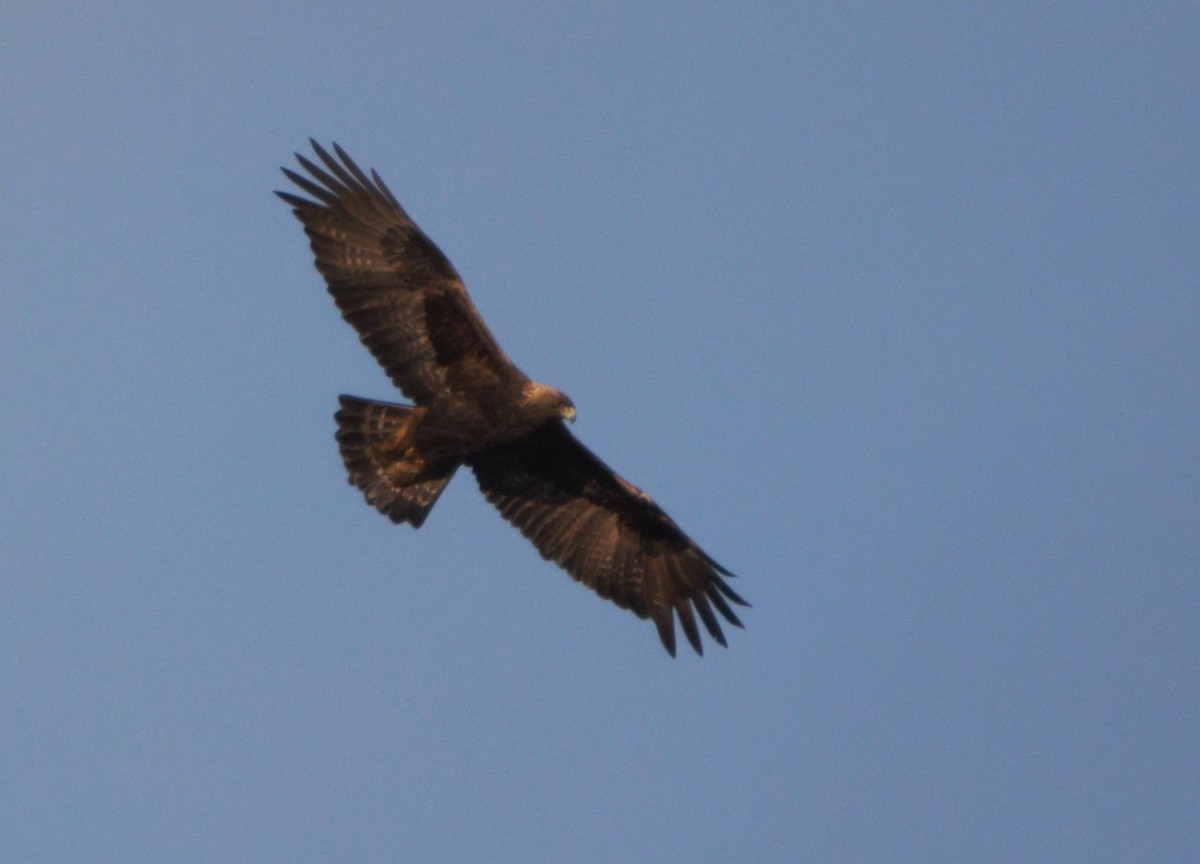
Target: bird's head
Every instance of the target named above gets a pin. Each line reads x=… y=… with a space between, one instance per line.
x=548 y=400
x=566 y=408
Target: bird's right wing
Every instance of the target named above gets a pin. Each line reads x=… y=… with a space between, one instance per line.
x=606 y=533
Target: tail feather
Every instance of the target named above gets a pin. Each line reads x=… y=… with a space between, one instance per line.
x=365 y=425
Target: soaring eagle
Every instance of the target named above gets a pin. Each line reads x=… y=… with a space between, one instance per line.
x=474 y=407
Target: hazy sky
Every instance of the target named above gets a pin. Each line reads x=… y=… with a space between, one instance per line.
x=894 y=307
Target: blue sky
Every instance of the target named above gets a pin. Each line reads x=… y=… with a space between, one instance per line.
x=895 y=308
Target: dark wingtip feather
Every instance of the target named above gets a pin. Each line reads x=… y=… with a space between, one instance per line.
x=352 y=167
x=294 y=200
x=321 y=193
x=333 y=186
x=710 y=621
x=714 y=597
x=319 y=150
x=666 y=631
x=688 y=622
x=345 y=171
x=724 y=588
x=383 y=187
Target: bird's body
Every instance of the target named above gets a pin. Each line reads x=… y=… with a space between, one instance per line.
x=474 y=407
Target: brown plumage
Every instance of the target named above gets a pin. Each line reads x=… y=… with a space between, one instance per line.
x=475 y=408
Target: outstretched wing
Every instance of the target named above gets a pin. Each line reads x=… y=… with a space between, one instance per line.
x=606 y=533
x=392 y=283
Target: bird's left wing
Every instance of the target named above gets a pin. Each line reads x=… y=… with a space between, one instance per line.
x=391 y=282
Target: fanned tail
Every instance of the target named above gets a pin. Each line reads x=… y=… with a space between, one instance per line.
x=365 y=429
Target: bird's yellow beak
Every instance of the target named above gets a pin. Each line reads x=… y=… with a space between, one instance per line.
x=567 y=412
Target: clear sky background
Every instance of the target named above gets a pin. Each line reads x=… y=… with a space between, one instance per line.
x=894 y=307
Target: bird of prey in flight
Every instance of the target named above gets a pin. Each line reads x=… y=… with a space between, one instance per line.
x=473 y=407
